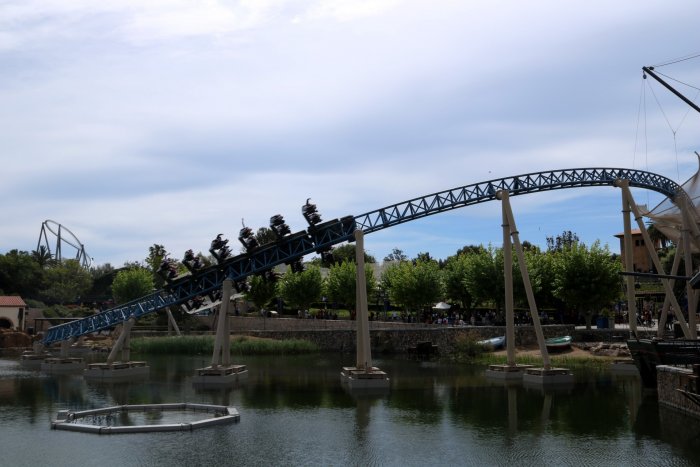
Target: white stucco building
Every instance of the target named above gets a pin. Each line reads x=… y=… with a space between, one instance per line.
x=12 y=312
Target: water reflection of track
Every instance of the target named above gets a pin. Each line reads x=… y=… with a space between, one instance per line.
x=322 y=236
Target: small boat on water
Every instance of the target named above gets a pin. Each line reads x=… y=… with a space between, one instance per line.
x=557 y=344
x=495 y=343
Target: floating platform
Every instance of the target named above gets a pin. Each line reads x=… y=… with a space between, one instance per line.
x=506 y=372
x=63 y=365
x=361 y=378
x=548 y=377
x=220 y=375
x=118 y=371
x=71 y=421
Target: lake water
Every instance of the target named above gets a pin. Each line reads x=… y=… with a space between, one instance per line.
x=294 y=411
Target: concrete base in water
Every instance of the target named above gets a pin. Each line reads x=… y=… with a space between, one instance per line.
x=118 y=371
x=33 y=361
x=624 y=366
x=63 y=365
x=67 y=420
x=547 y=377
x=219 y=376
x=506 y=372
x=360 y=378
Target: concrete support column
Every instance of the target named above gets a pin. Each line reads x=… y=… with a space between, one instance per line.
x=629 y=260
x=628 y=200
x=508 y=279
x=122 y=344
x=688 y=260
x=534 y=313
x=364 y=353
x=661 y=325
x=171 y=322
x=222 y=352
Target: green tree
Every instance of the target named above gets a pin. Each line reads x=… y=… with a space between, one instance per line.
x=156 y=255
x=587 y=279
x=341 y=283
x=20 y=274
x=265 y=235
x=261 y=291
x=414 y=286
x=564 y=240
x=67 y=282
x=346 y=253
x=301 y=289
x=484 y=276
x=396 y=255
x=454 y=275
x=42 y=256
x=541 y=268
x=132 y=283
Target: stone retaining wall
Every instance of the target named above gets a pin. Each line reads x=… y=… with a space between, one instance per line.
x=669 y=379
x=398 y=340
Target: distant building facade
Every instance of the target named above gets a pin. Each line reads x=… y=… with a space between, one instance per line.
x=640 y=255
x=12 y=312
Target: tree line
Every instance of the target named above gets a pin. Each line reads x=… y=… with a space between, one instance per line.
x=567 y=276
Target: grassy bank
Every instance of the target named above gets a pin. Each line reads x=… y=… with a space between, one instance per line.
x=564 y=361
x=240 y=345
x=468 y=350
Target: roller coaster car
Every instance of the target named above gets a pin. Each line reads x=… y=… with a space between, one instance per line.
x=167 y=270
x=331 y=232
x=246 y=237
x=278 y=226
x=218 y=242
x=310 y=213
x=192 y=262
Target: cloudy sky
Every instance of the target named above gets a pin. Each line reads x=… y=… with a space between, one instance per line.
x=169 y=121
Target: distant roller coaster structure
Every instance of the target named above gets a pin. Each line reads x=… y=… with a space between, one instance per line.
x=61 y=237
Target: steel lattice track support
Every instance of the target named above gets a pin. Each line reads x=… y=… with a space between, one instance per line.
x=290 y=248
x=518 y=185
x=322 y=236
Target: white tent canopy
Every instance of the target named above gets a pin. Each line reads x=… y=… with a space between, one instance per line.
x=442 y=306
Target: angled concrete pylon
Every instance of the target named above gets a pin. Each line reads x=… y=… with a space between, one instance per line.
x=363 y=375
x=221 y=372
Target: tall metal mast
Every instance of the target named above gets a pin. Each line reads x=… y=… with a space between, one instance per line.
x=648 y=70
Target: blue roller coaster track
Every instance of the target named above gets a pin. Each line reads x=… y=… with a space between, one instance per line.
x=320 y=237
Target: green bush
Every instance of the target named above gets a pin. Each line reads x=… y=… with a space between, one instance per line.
x=467 y=346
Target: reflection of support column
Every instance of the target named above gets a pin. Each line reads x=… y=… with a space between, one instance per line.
x=628 y=201
x=512 y=409
x=364 y=352
x=629 y=261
